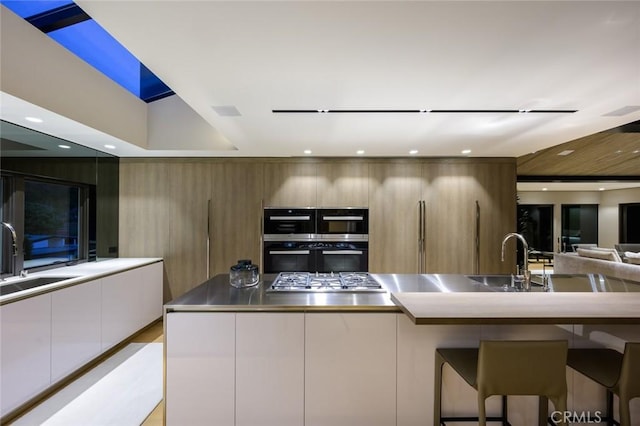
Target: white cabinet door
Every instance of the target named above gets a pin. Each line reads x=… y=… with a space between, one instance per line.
x=151 y=293
x=75 y=328
x=269 y=369
x=25 y=350
x=121 y=301
x=350 y=369
x=200 y=368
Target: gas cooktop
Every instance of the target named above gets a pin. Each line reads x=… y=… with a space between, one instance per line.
x=325 y=282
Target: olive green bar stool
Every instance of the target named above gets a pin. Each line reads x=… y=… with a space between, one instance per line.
x=618 y=373
x=507 y=368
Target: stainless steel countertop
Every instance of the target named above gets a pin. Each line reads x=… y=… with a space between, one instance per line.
x=216 y=294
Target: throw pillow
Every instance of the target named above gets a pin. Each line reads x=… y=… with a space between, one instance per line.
x=600 y=253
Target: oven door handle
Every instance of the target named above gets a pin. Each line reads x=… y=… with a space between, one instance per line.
x=342 y=252
x=289 y=252
x=342 y=217
x=289 y=217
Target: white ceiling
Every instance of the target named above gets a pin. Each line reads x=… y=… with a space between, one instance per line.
x=264 y=55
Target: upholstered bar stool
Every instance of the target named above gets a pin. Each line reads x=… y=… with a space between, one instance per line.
x=507 y=368
x=618 y=373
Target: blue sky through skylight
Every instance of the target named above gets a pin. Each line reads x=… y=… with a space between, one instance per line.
x=90 y=42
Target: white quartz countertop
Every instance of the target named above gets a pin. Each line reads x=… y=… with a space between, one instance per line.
x=523 y=308
x=74 y=275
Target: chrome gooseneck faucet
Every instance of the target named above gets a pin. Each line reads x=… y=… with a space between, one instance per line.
x=525 y=273
x=14 y=241
x=14 y=237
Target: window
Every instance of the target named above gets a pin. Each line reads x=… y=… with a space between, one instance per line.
x=51 y=221
x=535 y=223
x=579 y=225
x=629 y=223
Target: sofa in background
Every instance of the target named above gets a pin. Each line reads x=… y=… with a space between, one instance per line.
x=573 y=263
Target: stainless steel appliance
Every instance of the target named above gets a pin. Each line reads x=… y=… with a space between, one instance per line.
x=341 y=256
x=347 y=222
x=325 y=282
x=292 y=222
x=316 y=256
x=287 y=256
x=316 y=240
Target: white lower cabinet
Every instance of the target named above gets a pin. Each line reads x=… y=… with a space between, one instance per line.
x=47 y=337
x=200 y=368
x=151 y=293
x=121 y=302
x=25 y=352
x=350 y=369
x=75 y=327
x=269 y=369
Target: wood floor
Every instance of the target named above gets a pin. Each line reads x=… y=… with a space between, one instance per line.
x=153 y=334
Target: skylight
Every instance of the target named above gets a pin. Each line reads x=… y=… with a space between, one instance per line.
x=69 y=25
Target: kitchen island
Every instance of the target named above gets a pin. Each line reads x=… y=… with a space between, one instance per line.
x=249 y=356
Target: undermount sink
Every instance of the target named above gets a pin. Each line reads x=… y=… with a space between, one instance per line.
x=503 y=282
x=29 y=283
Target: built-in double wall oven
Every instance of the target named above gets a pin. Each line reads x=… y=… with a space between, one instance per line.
x=316 y=239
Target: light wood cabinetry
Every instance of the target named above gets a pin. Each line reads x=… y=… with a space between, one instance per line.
x=75 y=327
x=470 y=205
x=449 y=192
x=235 y=214
x=25 y=352
x=165 y=212
x=189 y=191
x=290 y=184
x=270 y=369
x=497 y=204
x=342 y=184
x=394 y=191
x=200 y=369
x=350 y=369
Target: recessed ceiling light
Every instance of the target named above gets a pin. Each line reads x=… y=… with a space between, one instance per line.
x=566 y=152
x=110 y=146
x=425 y=111
x=34 y=119
x=466 y=151
x=360 y=151
x=64 y=146
x=601 y=189
x=619 y=151
x=413 y=152
x=323 y=111
x=545 y=189
x=637 y=151
x=307 y=151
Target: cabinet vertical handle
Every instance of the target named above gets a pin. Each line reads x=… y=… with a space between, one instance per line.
x=424 y=236
x=420 y=234
x=208 y=238
x=477 y=248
